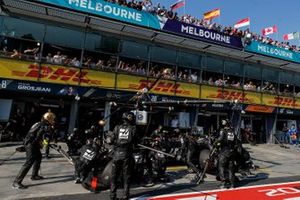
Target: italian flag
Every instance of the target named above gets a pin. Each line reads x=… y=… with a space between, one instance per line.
x=291 y=36
x=242 y=23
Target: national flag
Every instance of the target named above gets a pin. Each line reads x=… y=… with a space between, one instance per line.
x=177 y=5
x=212 y=14
x=291 y=36
x=269 y=30
x=242 y=23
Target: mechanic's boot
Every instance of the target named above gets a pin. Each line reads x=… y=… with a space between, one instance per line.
x=18 y=186
x=37 y=177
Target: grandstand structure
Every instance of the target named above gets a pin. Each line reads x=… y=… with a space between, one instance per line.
x=75 y=56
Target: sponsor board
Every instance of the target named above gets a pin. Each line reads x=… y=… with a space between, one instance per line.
x=280 y=101
x=210 y=92
x=165 y=87
x=203 y=34
x=280 y=191
x=110 y=10
x=260 y=108
x=22 y=70
x=273 y=51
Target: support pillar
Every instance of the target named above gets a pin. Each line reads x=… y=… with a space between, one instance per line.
x=73 y=115
x=107 y=112
x=271 y=128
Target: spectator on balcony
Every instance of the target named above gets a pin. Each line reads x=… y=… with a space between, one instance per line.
x=58 y=58
x=194 y=77
x=15 y=54
x=100 y=64
x=75 y=62
x=49 y=58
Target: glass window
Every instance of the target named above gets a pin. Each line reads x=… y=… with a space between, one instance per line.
x=213 y=78
x=19 y=49
x=132 y=66
x=253 y=72
x=297 y=79
x=134 y=50
x=270 y=80
x=213 y=64
x=157 y=69
x=252 y=78
x=99 y=61
x=22 y=29
x=64 y=37
x=189 y=60
x=163 y=55
x=93 y=42
x=233 y=68
x=270 y=75
x=233 y=74
x=286 y=77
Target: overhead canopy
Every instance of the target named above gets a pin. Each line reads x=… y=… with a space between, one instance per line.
x=39 y=10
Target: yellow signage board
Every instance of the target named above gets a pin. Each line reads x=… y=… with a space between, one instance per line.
x=210 y=92
x=20 y=70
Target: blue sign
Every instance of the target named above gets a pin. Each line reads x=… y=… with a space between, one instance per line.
x=110 y=10
x=273 y=51
x=203 y=34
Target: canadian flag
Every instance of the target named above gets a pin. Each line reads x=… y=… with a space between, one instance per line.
x=269 y=30
x=242 y=23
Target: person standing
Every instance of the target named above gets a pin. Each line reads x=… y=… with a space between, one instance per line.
x=293 y=135
x=227 y=141
x=122 y=141
x=33 y=144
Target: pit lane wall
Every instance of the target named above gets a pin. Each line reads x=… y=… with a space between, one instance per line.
x=67 y=80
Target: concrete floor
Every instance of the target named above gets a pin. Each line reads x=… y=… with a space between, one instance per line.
x=274 y=163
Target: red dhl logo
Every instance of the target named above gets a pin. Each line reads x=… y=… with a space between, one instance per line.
x=230 y=95
x=284 y=101
x=61 y=73
x=160 y=86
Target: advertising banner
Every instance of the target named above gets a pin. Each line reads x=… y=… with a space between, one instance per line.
x=280 y=101
x=38 y=87
x=15 y=69
x=273 y=51
x=260 y=108
x=203 y=34
x=164 y=87
x=97 y=78
x=210 y=92
x=187 y=90
x=252 y=97
x=110 y=10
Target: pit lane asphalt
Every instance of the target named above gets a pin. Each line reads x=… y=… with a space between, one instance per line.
x=170 y=189
x=277 y=165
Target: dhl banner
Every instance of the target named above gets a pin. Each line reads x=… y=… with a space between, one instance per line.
x=130 y=83
x=252 y=97
x=165 y=87
x=280 y=101
x=22 y=70
x=210 y=92
x=97 y=78
x=188 y=90
x=15 y=69
x=297 y=103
